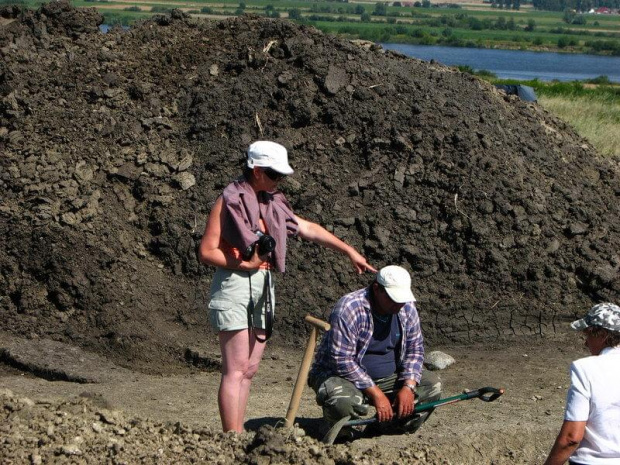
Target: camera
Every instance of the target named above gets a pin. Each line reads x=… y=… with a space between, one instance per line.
x=265 y=244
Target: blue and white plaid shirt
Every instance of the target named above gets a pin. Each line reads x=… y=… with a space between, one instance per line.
x=344 y=345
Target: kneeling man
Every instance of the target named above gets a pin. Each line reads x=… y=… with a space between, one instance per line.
x=374 y=353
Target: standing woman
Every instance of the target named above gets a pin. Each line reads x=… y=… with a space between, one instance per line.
x=590 y=434
x=245 y=239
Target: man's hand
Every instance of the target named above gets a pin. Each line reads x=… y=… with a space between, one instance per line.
x=404 y=402
x=381 y=403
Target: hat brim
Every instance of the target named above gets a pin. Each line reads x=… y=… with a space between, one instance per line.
x=283 y=169
x=400 y=295
x=579 y=325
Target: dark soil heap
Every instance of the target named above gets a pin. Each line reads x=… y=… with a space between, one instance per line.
x=114 y=147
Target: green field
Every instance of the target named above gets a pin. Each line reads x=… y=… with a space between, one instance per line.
x=594 y=111
x=526 y=29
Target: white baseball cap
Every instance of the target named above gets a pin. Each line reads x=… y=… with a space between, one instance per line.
x=267 y=154
x=397 y=283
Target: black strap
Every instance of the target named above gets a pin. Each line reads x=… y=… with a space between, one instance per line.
x=268 y=309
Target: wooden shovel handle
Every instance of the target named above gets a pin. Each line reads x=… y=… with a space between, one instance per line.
x=302 y=376
x=324 y=325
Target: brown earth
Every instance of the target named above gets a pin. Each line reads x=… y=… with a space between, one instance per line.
x=115 y=146
x=173 y=418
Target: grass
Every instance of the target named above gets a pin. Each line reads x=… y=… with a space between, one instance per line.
x=593 y=110
x=442 y=26
x=593 y=118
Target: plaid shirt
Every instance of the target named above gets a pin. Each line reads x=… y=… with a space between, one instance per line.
x=344 y=345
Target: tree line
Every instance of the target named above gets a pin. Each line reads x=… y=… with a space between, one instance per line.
x=578 y=5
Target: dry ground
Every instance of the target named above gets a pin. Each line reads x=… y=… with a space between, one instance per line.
x=518 y=428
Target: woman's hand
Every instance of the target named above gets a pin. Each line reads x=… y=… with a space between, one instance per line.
x=359 y=262
x=254 y=262
x=319 y=235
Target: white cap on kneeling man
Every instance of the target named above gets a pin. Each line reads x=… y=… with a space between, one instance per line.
x=397 y=283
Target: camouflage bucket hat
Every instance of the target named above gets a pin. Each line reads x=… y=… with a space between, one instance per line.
x=605 y=315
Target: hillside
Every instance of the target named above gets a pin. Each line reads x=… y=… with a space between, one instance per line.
x=115 y=146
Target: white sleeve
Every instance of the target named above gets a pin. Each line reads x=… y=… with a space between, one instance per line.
x=578 y=397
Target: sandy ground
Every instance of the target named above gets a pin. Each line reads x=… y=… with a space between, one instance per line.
x=517 y=428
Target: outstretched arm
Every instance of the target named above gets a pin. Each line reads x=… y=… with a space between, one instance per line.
x=318 y=234
x=567 y=442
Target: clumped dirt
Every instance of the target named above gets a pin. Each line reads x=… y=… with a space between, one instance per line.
x=76 y=430
x=114 y=147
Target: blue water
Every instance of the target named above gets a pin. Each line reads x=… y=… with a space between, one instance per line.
x=105 y=28
x=517 y=64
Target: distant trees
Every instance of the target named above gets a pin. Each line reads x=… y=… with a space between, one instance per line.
x=531 y=25
x=577 y=5
x=271 y=12
x=571 y=17
x=295 y=13
x=380 y=9
x=506 y=4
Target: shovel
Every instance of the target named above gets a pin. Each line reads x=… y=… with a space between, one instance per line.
x=486 y=394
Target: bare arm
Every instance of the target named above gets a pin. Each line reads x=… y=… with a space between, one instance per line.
x=567 y=442
x=318 y=234
x=210 y=251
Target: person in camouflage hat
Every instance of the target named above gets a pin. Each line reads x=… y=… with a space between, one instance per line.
x=590 y=433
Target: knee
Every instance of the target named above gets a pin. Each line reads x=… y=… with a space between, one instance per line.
x=337 y=407
x=250 y=371
x=430 y=386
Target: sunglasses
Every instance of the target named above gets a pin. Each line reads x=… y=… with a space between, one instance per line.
x=273 y=174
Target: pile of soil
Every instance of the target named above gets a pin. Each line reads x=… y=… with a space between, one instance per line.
x=78 y=430
x=115 y=146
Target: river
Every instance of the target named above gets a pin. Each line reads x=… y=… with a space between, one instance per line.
x=518 y=64
x=512 y=64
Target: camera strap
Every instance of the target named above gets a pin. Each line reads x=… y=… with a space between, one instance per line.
x=268 y=308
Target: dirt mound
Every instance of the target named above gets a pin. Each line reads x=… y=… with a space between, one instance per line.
x=115 y=147
x=78 y=431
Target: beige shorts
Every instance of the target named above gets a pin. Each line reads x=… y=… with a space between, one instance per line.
x=230 y=299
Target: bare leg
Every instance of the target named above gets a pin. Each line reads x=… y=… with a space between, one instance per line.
x=256 y=354
x=241 y=355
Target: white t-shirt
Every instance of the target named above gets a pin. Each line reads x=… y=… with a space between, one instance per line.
x=594 y=396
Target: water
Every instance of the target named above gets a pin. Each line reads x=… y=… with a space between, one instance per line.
x=106 y=27
x=517 y=64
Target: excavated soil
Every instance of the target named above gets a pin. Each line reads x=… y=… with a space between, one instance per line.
x=114 y=147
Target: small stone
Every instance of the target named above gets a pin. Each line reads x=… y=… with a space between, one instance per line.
x=185 y=180
x=26 y=401
x=437 y=360
x=70 y=449
x=185 y=163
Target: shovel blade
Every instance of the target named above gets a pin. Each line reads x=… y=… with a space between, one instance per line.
x=333 y=432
